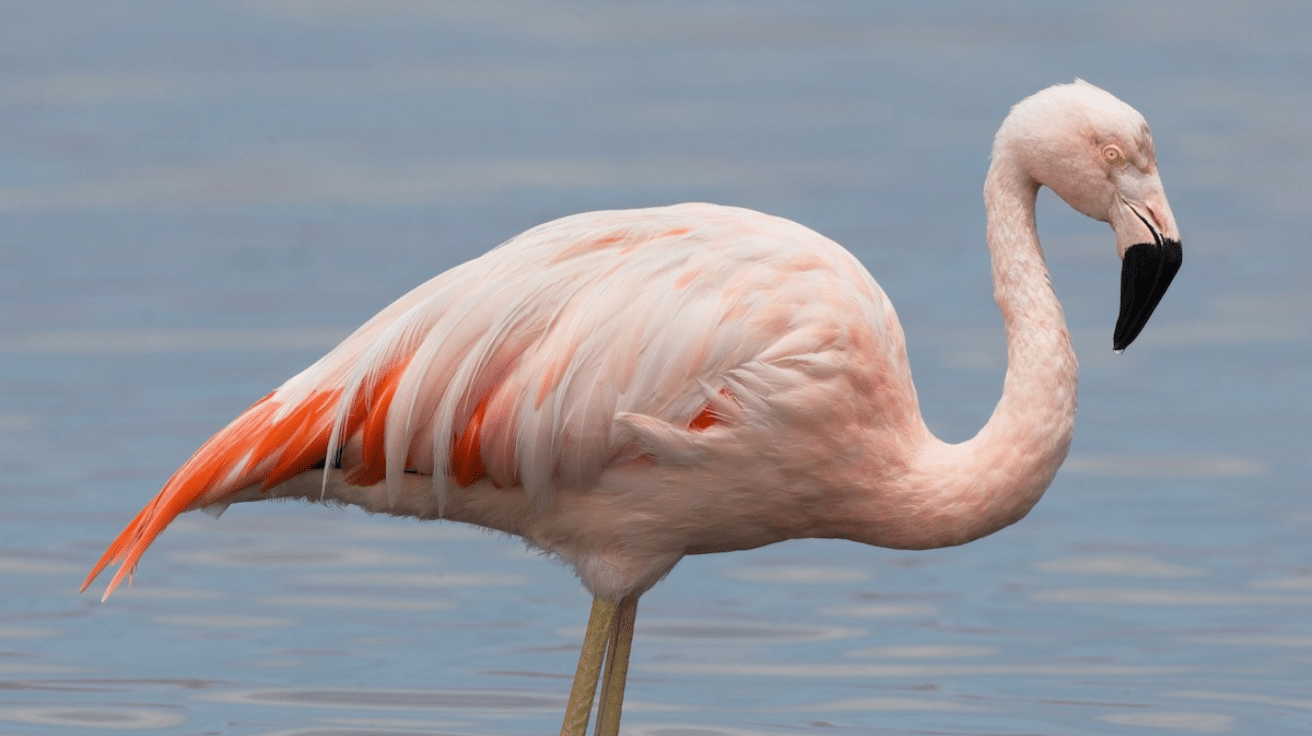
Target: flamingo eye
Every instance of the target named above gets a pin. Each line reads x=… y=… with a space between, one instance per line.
x=1113 y=155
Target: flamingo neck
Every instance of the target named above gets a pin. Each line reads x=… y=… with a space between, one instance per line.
x=955 y=493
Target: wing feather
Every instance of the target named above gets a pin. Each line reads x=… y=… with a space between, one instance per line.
x=582 y=343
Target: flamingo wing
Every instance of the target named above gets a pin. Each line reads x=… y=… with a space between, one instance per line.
x=518 y=367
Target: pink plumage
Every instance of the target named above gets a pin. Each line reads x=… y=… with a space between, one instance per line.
x=625 y=388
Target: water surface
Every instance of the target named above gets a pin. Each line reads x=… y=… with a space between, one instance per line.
x=197 y=200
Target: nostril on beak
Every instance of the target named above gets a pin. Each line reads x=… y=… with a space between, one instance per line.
x=1157 y=233
x=1158 y=224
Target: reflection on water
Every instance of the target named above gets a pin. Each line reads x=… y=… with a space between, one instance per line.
x=879 y=610
x=197 y=202
x=345 y=601
x=223 y=621
x=407 y=700
x=114 y=719
x=370 y=731
x=1178 y=466
x=885 y=705
x=1157 y=597
x=800 y=575
x=1190 y=722
x=934 y=671
x=701 y=631
x=1133 y=566
x=932 y=651
x=676 y=730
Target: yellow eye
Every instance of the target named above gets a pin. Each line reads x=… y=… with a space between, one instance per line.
x=1113 y=155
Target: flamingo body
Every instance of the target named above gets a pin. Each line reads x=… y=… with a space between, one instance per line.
x=625 y=388
x=607 y=386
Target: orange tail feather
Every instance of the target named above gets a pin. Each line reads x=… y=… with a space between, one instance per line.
x=372 y=420
x=265 y=446
x=232 y=460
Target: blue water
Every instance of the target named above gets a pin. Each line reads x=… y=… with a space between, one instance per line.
x=199 y=199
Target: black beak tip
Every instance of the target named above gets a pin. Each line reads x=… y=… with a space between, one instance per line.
x=1146 y=272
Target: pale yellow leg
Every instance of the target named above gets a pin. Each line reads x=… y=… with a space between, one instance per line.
x=591 y=658
x=617 y=668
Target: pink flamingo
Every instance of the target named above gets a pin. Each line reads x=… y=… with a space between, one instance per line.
x=621 y=389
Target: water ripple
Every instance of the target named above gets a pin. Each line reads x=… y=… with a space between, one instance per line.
x=337 y=556
x=880 y=610
x=1127 y=565
x=397 y=699
x=346 y=601
x=223 y=621
x=925 y=651
x=1159 y=597
x=136 y=341
x=1165 y=466
x=723 y=632
x=413 y=580
x=799 y=574
x=1275 y=700
x=366 y=731
x=1192 y=722
x=94 y=717
x=885 y=704
x=911 y=670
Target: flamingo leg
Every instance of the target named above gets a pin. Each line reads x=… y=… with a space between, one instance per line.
x=591 y=658
x=617 y=668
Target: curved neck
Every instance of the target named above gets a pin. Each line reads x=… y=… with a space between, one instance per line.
x=1027 y=438
x=958 y=493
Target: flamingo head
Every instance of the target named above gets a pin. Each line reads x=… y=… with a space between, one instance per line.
x=1097 y=154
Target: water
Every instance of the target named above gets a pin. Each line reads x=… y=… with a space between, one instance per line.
x=196 y=200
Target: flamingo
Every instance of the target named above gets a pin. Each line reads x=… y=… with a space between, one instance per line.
x=624 y=388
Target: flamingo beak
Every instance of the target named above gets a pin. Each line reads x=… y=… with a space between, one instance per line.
x=1146 y=272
